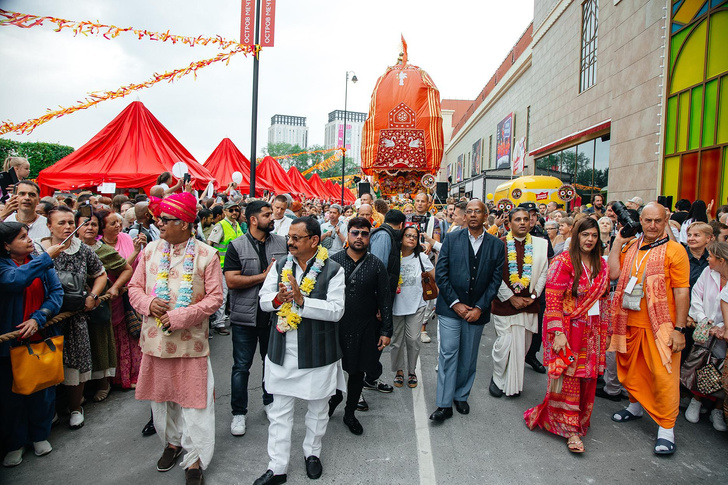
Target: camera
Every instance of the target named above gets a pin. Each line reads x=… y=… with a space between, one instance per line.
x=6 y=180
x=86 y=209
x=630 y=226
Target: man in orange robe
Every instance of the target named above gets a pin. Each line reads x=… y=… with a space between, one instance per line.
x=649 y=314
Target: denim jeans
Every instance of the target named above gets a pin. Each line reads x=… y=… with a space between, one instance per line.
x=245 y=340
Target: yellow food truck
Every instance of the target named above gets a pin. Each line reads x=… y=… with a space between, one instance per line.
x=540 y=189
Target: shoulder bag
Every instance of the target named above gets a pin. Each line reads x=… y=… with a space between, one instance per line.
x=429 y=288
x=74 y=290
x=37 y=366
x=131 y=318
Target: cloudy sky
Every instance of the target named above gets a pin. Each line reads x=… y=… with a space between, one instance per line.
x=458 y=42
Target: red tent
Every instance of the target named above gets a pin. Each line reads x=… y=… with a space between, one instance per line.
x=348 y=196
x=225 y=160
x=334 y=191
x=300 y=182
x=131 y=152
x=271 y=171
x=317 y=185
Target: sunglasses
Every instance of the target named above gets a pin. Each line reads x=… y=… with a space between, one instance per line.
x=356 y=233
x=234 y=209
x=167 y=220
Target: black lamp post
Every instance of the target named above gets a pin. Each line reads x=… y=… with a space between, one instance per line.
x=343 y=158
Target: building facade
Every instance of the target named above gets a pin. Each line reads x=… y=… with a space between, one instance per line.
x=334 y=132
x=288 y=129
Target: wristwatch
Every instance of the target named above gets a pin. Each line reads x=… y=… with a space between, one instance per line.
x=94 y=296
x=680 y=329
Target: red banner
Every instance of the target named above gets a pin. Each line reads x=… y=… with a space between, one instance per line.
x=267 y=23
x=247 y=23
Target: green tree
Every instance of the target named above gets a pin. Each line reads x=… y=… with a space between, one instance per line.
x=40 y=155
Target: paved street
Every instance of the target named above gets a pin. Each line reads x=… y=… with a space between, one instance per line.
x=399 y=444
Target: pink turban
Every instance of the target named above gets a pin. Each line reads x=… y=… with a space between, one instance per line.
x=183 y=206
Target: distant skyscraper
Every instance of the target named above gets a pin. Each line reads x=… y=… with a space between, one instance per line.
x=335 y=132
x=288 y=129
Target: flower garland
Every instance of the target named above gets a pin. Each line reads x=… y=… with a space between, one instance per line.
x=288 y=314
x=161 y=287
x=519 y=283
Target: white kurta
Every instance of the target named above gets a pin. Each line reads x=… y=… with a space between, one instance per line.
x=288 y=379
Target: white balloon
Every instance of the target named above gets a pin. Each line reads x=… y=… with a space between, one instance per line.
x=237 y=177
x=179 y=169
x=210 y=190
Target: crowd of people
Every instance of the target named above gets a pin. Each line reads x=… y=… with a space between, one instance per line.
x=627 y=299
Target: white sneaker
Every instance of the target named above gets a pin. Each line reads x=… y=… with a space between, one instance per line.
x=237 y=427
x=77 y=419
x=14 y=458
x=424 y=338
x=42 y=448
x=692 y=413
x=716 y=417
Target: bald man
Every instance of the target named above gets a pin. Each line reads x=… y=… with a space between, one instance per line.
x=144 y=223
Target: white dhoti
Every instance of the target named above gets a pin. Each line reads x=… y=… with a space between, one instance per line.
x=192 y=429
x=513 y=339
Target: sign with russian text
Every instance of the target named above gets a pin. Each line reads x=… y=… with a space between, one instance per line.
x=247 y=23
x=267 y=23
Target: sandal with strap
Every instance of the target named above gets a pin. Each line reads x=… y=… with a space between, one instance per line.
x=399 y=380
x=412 y=380
x=102 y=394
x=623 y=416
x=575 y=445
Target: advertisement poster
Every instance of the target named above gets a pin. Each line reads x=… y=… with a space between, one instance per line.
x=519 y=156
x=477 y=157
x=503 y=142
x=340 y=137
x=459 y=176
x=449 y=172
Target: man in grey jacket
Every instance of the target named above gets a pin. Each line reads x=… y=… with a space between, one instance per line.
x=247 y=262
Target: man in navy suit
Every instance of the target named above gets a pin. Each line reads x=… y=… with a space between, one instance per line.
x=468 y=274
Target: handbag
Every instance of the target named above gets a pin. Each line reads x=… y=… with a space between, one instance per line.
x=74 y=290
x=429 y=288
x=131 y=318
x=37 y=366
x=709 y=378
x=101 y=315
x=701 y=332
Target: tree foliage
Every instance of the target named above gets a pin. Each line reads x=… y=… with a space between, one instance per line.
x=40 y=155
x=306 y=161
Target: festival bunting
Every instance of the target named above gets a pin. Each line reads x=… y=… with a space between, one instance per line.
x=284 y=157
x=86 y=28
x=325 y=165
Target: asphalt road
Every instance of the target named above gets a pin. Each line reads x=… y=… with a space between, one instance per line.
x=399 y=445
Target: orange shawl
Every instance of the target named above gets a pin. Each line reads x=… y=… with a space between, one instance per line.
x=655 y=298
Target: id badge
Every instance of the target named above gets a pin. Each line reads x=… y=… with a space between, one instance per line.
x=630 y=285
x=594 y=310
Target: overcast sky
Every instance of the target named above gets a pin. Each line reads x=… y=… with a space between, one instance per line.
x=458 y=42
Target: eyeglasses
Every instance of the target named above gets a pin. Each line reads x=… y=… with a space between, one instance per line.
x=410 y=236
x=166 y=220
x=295 y=238
x=234 y=209
x=473 y=211
x=356 y=233
x=552 y=228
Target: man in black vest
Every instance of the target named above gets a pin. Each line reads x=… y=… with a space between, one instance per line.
x=304 y=357
x=468 y=274
x=248 y=260
x=363 y=337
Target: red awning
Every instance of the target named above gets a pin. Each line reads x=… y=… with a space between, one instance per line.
x=570 y=139
x=131 y=151
x=272 y=171
x=227 y=159
x=300 y=182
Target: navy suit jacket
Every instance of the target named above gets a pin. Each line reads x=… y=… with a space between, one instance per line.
x=452 y=274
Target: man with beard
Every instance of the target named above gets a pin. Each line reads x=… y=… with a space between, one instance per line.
x=249 y=259
x=362 y=336
x=306 y=292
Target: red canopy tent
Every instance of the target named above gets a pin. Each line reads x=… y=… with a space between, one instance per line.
x=349 y=197
x=333 y=190
x=299 y=181
x=271 y=171
x=317 y=185
x=226 y=159
x=131 y=152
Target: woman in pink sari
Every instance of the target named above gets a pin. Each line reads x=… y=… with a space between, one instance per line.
x=576 y=321
x=128 y=353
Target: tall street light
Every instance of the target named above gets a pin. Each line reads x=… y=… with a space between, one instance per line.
x=343 y=158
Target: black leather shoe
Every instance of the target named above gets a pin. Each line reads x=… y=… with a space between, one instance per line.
x=603 y=394
x=494 y=390
x=536 y=365
x=462 y=406
x=334 y=401
x=149 y=428
x=441 y=414
x=268 y=478
x=353 y=424
x=313 y=467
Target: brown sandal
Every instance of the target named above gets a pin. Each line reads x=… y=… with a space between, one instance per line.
x=575 y=444
x=399 y=380
x=412 y=380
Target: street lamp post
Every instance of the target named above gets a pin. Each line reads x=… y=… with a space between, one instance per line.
x=343 y=158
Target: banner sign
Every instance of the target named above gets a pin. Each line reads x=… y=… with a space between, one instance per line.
x=247 y=23
x=477 y=151
x=519 y=156
x=267 y=23
x=503 y=142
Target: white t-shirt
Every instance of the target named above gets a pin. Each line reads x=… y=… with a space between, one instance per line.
x=409 y=299
x=37 y=230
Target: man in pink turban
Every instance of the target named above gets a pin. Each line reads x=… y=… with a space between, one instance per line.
x=176 y=287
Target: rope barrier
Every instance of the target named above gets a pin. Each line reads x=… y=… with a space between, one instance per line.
x=60 y=317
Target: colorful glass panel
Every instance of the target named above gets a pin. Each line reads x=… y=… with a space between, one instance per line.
x=676 y=42
x=724 y=191
x=689 y=176
x=687 y=11
x=723 y=111
x=711 y=92
x=717 y=42
x=696 y=107
x=671 y=177
x=710 y=175
x=689 y=66
x=670 y=125
x=683 y=118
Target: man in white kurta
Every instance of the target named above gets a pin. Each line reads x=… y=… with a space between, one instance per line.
x=292 y=369
x=515 y=311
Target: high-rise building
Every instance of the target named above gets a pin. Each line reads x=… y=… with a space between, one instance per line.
x=334 y=136
x=288 y=129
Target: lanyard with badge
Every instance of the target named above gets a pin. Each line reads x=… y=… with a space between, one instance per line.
x=634 y=291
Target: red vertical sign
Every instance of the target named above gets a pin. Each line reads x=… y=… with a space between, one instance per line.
x=267 y=23
x=247 y=23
